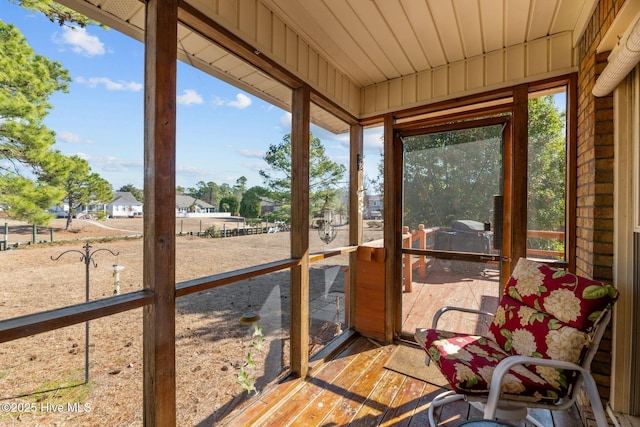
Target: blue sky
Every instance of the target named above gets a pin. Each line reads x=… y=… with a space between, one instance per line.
x=222 y=132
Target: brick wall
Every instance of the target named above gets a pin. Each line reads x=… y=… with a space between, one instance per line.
x=594 y=222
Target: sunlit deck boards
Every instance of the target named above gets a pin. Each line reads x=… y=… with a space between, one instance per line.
x=445 y=284
x=355 y=389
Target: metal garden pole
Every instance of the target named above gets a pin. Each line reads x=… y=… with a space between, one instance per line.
x=87 y=258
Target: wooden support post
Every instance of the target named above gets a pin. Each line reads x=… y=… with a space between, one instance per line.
x=392 y=229
x=356 y=207
x=519 y=175
x=300 y=134
x=407 y=268
x=160 y=216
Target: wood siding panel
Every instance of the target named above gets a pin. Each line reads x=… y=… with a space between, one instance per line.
x=538 y=57
x=278 y=38
x=322 y=73
x=228 y=11
x=494 y=67
x=516 y=65
x=395 y=93
x=440 y=82
x=313 y=67
x=369 y=292
x=291 y=49
x=247 y=18
x=303 y=59
x=558 y=47
x=264 y=28
x=409 y=90
x=457 y=77
x=544 y=58
x=475 y=73
x=382 y=96
x=424 y=86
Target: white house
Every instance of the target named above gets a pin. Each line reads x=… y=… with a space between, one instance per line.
x=124 y=205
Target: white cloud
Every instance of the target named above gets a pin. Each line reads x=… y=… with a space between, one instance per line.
x=112 y=163
x=285 y=121
x=109 y=84
x=242 y=101
x=80 y=41
x=72 y=138
x=189 y=97
x=259 y=154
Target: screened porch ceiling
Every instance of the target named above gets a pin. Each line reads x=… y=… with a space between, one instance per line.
x=368 y=57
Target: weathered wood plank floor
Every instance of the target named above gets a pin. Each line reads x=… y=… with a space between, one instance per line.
x=445 y=286
x=354 y=389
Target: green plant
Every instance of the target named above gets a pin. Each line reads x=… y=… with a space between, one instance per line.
x=247 y=372
x=212 y=232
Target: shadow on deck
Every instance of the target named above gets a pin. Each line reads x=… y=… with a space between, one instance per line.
x=354 y=389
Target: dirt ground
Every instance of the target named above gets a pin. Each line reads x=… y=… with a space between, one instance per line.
x=42 y=376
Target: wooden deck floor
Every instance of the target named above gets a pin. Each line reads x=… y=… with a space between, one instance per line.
x=476 y=286
x=354 y=389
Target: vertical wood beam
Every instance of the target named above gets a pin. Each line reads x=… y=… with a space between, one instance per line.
x=160 y=211
x=572 y=171
x=507 y=206
x=300 y=133
x=356 y=206
x=392 y=215
x=520 y=175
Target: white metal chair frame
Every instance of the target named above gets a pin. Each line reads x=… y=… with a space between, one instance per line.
x=494 y=406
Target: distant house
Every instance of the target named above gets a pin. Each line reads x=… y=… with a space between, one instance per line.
x=124 y=205
x=190 y=205
x=268 y=206
x=373 y=208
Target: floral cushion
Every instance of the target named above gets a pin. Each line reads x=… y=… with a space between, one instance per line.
x=574 y=300
x=468 y=362
x=521 y=330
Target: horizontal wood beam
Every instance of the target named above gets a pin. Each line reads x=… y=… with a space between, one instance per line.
x=45 y=321
x=197 y=21
x=319 y=256
x=217 y=280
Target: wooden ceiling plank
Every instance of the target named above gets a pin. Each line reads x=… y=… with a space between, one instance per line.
x=378 y=26
x=424 y=27
x=325 y=34
x=468 y=17
x=356 y=39
x=541 y=19
x=516 y=21
x=492 y=20
x=447 y=27
x=396 y=17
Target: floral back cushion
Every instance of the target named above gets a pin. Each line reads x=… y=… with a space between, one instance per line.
x=525 y=331
x=574 y=300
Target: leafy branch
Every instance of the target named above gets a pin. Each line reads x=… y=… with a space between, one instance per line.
x=247 y=373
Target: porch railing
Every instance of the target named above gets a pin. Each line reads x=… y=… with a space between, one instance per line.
x=424 y=238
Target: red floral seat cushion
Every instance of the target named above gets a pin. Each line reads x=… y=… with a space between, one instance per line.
x=468 y=362
x=576 y=301
x=522 y=330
